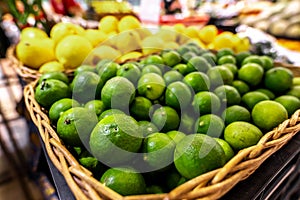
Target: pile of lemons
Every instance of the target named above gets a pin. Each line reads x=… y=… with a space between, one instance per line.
x=69 y=45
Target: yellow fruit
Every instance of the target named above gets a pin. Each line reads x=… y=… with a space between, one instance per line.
x=208 y=33
x=104 y=52
x=143 y=32
x=35 y=52
x=166 y=35
x=179 y=27
x=95 y=36
x=197 y=42
x=128 y=41
x=223 y=40
x=108 y=24
x=63 y=29
x=152 y=44
x=72 y=51
x=191 y=31
x=128 y=22
x=130 y=56
x=171 y=45
x=242 y=45
x=52 y=66
x=33 y=33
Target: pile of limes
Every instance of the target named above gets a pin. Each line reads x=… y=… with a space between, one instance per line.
x=148 y=126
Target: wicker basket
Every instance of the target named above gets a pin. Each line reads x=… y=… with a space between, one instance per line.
x=211 y=185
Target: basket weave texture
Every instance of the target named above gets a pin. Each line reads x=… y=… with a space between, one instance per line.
x=211 y=185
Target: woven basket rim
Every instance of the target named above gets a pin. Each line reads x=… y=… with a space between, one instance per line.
x=212 y=185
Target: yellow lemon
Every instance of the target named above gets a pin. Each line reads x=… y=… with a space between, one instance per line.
x=72 y=51
x=179 y=27
x=152 y=44
x=32 y=32
x=167 y=35
x=130 y=56
x=128 y=41
x=128 y=22
x=208 y=33
x=104 y=52
x=95 y=36
x=35 y=52
x=52 y=66
x=223 y=41
x=143 y=32
x=191 y=31
x=63 y=29
x=108 y=24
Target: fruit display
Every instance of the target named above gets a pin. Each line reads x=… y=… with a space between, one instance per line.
x=150 y=125
x=69 y=45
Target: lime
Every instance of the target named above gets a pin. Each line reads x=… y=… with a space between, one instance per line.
x=102 y=62
x=125 y=181
x=129 y=71
x=171 y=58
x=291 y=103
x=226 y=59
x=54 y=75
x=115 y=139
x=140 y=107
x=251 y=73
x=151 y=86
x=278 y=79
x=107 y=70
x=91 y=163
x=176 y=136
x=172 y=76
x=158 y=150
x=115 y=89
x=253 y=59
x=75 y=125
x=267 y=92
x=210 y=58
x=154 y=189
x=165 y=118
x=187 y=120
x=224 y=52
x=241 y=135
x=296 y=81
x=61 y=106
x=197 y=154
x=267 y=61
x=96 y=106
x=228 y=95
x=83 y=68
x=206 y=102
x=109 y=112
x=229 y=153
x=241 y=86
x=198 y=63
x=147 y=128
x=250 y=99
x=268 y=114
x=220 y=75
x=241 y=56
x=232 y=67
x=198 y=81
x=236 y=113
x=183 y=49
x=174 y=179
x=50 y=91
x=210 y=124
x=187 y=56
x=178 y=95
x=153 y=59
x=151 y=68
x=182 y=69
x=86 y=86
x=294 y=91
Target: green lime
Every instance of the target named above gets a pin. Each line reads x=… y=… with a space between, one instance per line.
x=220 y=75
x=229 y=153
x=83 y=68
x=183 y=49
x=176 y=136
x=86 y=86
x=197 y=154
x=116 y=89
x=206 y=102
x=101 y=63
x=198 y=63
x=130 y=71
x=125 y=181
x=151 y=86
x=75 y=125
x=250 y=99
x=241 y=135
x=115 y=139
x=291 y=103
x=226 y=59
x=158 y=149
x=236 y=113
x=187 y=56
x=241 y=86
x=296 y=81
x=171 y=58
x=147 y=128
x=154 y=189
x=182 y=68
x=278 y=79
x=294 y=91
x=267 y=61
x=241 y=56
x=198 y=81
x=140 y=107
x=224 y=52
x=267 y=92
x=154 y=59
x=210 y=58
x=166 y=118
x=108 y=70
x=91 y=163
x=54 y=75
x=251 y=73
x=187 y=120
x=174 y=179
x=228 y=95
x=51 y=90
x=232 y=67
x=96 y=106
x=178 y=95
x=151 y=68
x=253 y=59
x=109 y=112
x=61 y=106
x=268 y=114
x=172 y=76
x=210 y=124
